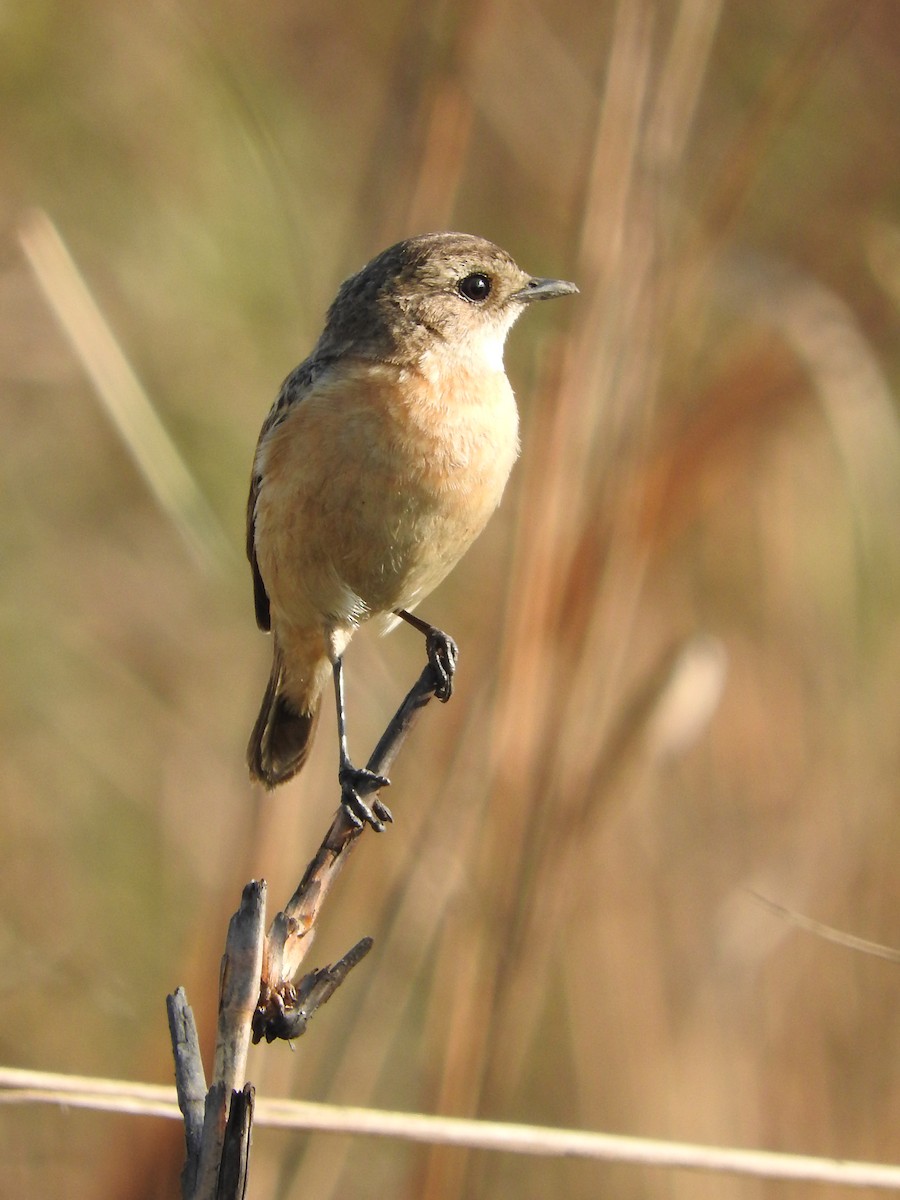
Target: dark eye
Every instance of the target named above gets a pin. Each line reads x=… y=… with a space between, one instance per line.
x=476 y=287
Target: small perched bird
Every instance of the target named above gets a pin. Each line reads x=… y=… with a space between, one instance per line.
x=379 y=464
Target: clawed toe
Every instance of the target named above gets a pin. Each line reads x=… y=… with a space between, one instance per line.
x=356 y=784
x=443 y=654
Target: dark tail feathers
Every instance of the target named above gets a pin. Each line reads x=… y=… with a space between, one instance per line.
x=281 y=738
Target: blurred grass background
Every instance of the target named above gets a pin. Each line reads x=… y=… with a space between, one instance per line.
x=680 y=637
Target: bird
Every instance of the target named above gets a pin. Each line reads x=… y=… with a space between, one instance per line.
x=380 y=462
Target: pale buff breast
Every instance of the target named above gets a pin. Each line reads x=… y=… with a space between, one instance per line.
x=376 y=484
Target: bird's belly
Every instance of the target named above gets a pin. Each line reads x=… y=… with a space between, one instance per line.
x=405 y=529
x=415 y=538
x=365 y=514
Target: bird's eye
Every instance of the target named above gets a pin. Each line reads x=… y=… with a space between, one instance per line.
x=475 y=287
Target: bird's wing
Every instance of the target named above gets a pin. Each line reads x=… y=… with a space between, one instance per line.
x=260 y=595
x=295 y=387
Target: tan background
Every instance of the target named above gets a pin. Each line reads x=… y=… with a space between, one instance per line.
x=680 y=639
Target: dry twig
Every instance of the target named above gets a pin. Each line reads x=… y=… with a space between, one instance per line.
x=113 y=1095
x=262 y=996
x=288 y=939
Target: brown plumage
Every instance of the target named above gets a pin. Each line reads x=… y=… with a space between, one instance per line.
x=380 y=462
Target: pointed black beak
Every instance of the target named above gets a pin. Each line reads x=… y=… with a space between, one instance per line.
x=543 y=289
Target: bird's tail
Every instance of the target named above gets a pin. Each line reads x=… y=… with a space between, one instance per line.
x=282 y=736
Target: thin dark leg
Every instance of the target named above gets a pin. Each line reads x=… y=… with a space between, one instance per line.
x=442 y=651
x=356 y=782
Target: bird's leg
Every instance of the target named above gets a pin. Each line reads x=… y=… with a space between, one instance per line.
x=442 y=652
x=356 y=782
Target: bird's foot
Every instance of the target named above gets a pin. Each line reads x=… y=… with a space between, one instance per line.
x=443 y=654
x=357 y=784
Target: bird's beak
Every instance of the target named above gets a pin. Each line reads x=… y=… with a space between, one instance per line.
x=543 y=289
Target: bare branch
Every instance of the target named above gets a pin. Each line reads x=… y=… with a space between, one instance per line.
x=190 y=1082
x=113 y=1095
x=241 y=970
x=289 y=937
x=315 y=988
x=217 y=1129
x=260 y=997
x=232 y=1182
